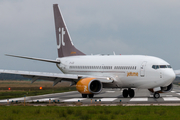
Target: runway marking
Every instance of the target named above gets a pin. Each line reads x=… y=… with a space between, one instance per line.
x=171 y=99
x=173 y=91
x=42 y=100
x=108 y=99
x=151 y=96
x=14 y=99
x=165 y=96
x=139 y=99
x=74 y=99
x=178 y=93
x=168 y=95
x=110 y=91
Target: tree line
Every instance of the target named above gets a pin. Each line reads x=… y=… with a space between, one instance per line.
x=5 y=76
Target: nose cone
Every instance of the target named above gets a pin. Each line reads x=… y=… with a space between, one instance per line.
x=169 y=76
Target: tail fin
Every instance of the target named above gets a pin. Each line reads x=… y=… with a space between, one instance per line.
x=64 y=44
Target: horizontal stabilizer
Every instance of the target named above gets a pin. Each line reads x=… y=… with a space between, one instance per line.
x=32 y=58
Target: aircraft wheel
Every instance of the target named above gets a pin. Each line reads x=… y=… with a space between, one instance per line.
x=156 y=95
x=84 y=95
x=91 y=95
x=131 y=93
x=125 y=93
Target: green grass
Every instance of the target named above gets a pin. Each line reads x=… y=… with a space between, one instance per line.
x=20 y=92
x=90 y=113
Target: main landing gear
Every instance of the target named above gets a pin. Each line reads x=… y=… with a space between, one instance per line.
x=129 y=92
x=89 y=95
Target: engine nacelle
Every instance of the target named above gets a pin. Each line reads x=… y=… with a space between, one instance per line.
x=89 y=86
x=164 y=89
x=167 y=89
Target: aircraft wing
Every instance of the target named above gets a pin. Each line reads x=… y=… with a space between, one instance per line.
x=56 y=77
x=177 y=72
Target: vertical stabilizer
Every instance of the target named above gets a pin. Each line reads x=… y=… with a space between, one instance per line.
x=64 y=44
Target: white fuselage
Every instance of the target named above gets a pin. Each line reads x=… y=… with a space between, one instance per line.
x=128 y=71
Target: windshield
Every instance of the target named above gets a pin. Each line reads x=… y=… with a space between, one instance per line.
x=160 y=66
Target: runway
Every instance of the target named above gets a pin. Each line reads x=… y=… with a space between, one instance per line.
x=107 y=96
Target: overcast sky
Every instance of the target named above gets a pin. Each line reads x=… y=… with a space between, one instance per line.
x=138 y=27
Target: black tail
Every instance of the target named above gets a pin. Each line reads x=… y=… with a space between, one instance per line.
x=64 y=44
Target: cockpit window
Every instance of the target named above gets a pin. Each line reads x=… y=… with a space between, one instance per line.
x=169 y=66
x=155 y=66
x=161 y=66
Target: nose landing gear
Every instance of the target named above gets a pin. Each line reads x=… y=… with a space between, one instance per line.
x=156 y=95
x=129 y=92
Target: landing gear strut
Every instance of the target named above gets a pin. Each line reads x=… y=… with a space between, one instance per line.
x=156 y=95
x=84 y=95
x=129 y=92
x=89 y=95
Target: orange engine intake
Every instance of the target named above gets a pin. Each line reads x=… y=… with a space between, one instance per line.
x=89 y=86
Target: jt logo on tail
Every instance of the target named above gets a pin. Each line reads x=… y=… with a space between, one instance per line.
x=61 y=37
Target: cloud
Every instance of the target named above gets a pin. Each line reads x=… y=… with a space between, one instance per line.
x=126 y=27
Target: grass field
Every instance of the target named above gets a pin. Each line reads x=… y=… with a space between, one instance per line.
x=90 y=113
x=13 y=83
x=20 y=112
x=21 y=88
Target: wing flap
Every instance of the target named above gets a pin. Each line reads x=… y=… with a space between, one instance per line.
x=40 y=74
x=54 y=76
x=103 y=79
x=106 y=81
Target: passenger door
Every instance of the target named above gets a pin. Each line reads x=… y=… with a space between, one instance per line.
x=142 y=69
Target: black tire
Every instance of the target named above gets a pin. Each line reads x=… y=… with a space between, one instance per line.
x=91 y=95
x=125 y=93
x=131 y=93
x=84 y=95
x=156 y=95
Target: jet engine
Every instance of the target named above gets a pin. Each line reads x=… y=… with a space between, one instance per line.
x=89 y=86
x=167 y=88
x=164 y=89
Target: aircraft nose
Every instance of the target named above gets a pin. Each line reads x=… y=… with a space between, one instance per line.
x=170 y=76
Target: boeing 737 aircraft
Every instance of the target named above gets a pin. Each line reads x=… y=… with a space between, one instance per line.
x=92 y=73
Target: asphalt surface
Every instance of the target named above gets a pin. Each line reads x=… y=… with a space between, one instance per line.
x=107 y=96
